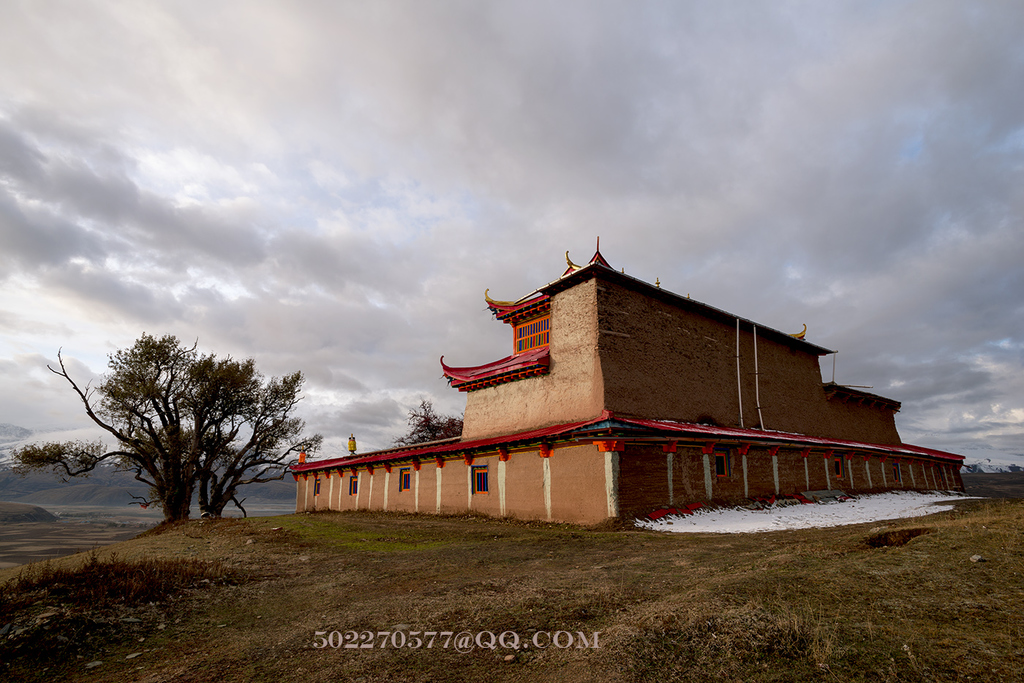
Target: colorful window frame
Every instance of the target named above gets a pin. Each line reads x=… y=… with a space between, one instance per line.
x=405 y=479
x=897 y=472
x=723 y=464
x=532 y=334
x=316 y=485
x=479 y=479
x=353 y=485
x=839 y=467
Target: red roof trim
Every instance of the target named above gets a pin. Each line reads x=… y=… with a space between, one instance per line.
x=527 y=364
x=786 y=437
x=702 y=433
x=449 y=448
x=513 y=313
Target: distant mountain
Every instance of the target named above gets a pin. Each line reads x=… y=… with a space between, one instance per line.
x=13 y=436
x=107 y=487
x=10 y=433
x=979 y=459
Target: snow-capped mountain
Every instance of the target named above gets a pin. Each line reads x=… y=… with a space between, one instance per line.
x=10 y=433
x=13 y=436
x=982 y=459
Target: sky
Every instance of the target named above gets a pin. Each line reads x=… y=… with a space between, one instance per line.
x=330 y=187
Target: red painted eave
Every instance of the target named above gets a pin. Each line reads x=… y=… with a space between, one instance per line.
x=757 y=435
x=520 y=361
x=503 y=310
x=655 y=429
x=441 y=449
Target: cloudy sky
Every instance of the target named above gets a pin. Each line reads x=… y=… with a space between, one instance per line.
x=330 y=186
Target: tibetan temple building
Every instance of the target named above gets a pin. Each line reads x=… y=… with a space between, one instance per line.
x=620 y=398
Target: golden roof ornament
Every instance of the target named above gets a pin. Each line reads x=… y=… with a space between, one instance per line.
x=801 y=334
x=352 y=444
x=572 y=265
x=493 y=302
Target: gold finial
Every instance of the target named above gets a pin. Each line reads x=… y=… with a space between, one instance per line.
x=657 y=282
x=352 y=444
x=801 y=334
x=571 y=264
x=491 y=301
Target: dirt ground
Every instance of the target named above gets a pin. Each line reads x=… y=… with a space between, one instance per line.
x=37 y=541
x=896 y=601
x=1000 y=485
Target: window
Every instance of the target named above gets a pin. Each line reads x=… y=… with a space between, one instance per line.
x=532 y=334
x=723 y=464
x=316 y=486
x=353 y=485
x=838 y=465
x=896 y=474
x=480 y=479
x=405 y=479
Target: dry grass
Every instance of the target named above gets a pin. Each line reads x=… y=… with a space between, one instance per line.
x=818 y=604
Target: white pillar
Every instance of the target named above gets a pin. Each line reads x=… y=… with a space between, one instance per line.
x=439 y=471
x=746 y=489
x=547 y=486
x=501 y=486
x=707 y=476
x=668 y=467
x=611 y=482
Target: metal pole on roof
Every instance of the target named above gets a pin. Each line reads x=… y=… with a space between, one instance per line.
x=757 y=382
x=739 y=383
x=834 y=366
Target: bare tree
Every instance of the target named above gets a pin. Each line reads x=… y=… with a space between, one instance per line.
x=182 y=420
x=426 y=425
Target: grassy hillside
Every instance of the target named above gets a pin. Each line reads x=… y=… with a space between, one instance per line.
x=240 y=600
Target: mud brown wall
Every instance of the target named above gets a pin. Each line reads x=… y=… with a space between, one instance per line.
x=660 y=361
x=524 y=486
x=571 y=391
x=403 y=501
x=453 y=487
x=344 y=500
x=643 y=480
x=373 y=496
x=427 y=487
x=486 y=503
x=687 y=476
x=578 y=490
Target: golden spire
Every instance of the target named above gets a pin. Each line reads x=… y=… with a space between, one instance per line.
x=657 y=282
x=571 y=264
x=352 y=444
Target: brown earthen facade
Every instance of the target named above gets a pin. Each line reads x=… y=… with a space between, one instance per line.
x=636 y=399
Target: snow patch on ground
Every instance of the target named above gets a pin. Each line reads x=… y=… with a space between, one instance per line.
x=866 y=508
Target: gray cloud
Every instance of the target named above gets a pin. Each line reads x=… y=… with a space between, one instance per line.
x=330 y=186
